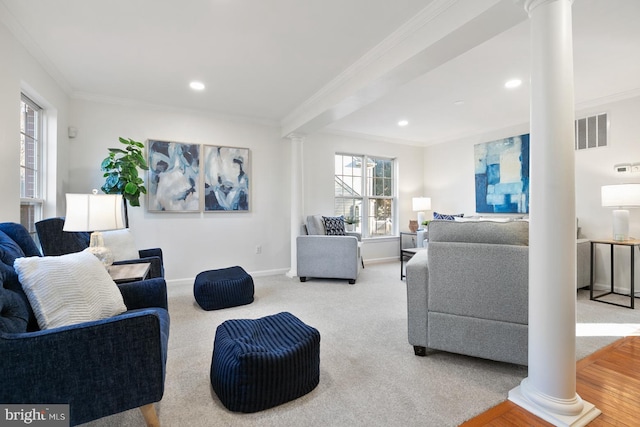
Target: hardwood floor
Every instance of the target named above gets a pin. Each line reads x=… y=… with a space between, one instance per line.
x=609 y=378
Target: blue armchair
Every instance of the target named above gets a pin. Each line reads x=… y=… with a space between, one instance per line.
x=55 y=241
x=99 y=368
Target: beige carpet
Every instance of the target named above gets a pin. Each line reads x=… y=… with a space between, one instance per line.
x=369 y=375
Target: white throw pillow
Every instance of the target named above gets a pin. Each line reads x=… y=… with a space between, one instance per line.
x=121 y=244
x=68 y=289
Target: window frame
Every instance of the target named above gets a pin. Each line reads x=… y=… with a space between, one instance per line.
x=365 y=194
x=31 y=164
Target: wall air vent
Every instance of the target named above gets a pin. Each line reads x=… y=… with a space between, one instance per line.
x=592 y=132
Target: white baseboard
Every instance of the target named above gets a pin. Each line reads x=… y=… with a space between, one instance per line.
x=262 y=273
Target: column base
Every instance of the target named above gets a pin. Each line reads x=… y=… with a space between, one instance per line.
x=291 y=273
x=588 y=413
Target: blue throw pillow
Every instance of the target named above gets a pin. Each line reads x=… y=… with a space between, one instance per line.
x=447 y=217
x=334 y=225
x=13 y=312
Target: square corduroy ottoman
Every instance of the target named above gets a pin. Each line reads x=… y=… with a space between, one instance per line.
x=258 y=364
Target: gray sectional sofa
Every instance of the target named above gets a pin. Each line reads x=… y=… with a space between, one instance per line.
x=468 y=292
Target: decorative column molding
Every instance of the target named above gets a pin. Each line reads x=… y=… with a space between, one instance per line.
x=549 y=391
x=297 y=196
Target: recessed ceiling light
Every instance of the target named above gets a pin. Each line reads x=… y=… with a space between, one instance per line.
x=196 y=85
x=403 y=122
x=514 y=83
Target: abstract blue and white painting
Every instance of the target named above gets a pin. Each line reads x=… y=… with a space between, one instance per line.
x=502 y=175
x=226 y=178
x=174 y=176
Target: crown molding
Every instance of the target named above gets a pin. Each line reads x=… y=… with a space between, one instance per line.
x=133 y=103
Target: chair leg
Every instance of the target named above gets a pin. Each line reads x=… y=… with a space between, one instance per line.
x=150 y=416
x=362 y=261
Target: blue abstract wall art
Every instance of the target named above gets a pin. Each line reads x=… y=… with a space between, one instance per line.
x=226 y=179
x=174 y=176
x=502 y=175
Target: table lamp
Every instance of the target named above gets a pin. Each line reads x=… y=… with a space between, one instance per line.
x=95 y=212
x=621 y=196
x=421 y=204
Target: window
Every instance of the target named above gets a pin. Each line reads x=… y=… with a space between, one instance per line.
x=31 y=200
x=365 y=193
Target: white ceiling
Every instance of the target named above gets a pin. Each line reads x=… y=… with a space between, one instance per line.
x=289 y=62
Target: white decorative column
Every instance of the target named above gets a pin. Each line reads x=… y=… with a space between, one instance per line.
x=549 y=391
x=296 y=197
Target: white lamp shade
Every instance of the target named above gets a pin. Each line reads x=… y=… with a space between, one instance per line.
x=421 y=203
x=621 y=195
x=93 y=212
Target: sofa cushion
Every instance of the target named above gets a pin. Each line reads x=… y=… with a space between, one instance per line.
x=334 y=225
x=121 y=244
x=69 y=289
x=448 y=217
x=315 y=225
x=14 y=314
x=505 y=233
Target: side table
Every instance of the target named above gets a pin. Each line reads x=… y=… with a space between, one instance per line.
x=124 y=273
x=407 y=254
x=631 y=244
x=408 y=250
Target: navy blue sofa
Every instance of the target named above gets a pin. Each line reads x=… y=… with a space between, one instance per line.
x=99 y=368
x=54 y=241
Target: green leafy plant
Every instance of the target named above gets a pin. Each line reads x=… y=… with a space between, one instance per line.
x=121 y=173
x=426 y=223
x=352 y=220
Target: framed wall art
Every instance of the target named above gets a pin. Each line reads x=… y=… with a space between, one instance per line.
x=502 y=175
x=174 y=176
x=227 y=172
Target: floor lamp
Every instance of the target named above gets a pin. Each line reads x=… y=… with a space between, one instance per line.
x=95 y=213
x=620 y=197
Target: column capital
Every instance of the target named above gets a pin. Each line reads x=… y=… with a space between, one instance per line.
x=530 y=5
x=296 y=137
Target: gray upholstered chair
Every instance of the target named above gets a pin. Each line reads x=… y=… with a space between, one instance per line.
x=468 y=292
x=331 y=257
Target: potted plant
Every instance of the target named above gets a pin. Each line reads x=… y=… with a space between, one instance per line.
x=121 y=173
x=351 y=222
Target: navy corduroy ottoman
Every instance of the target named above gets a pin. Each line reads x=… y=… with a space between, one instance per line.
x=258 y=364
x=222 y=288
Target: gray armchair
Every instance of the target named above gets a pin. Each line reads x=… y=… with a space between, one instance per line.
x=468 y=292
x=322 y=256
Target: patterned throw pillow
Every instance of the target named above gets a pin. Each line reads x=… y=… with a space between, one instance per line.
x=334 y=225
x=437 y=215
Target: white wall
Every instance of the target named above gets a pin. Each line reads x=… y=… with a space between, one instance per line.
x=193 y=242
x=318 y=154
x=449 y=177
x=20 y=72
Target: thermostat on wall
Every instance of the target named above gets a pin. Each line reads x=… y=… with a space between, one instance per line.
x=623 y=168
